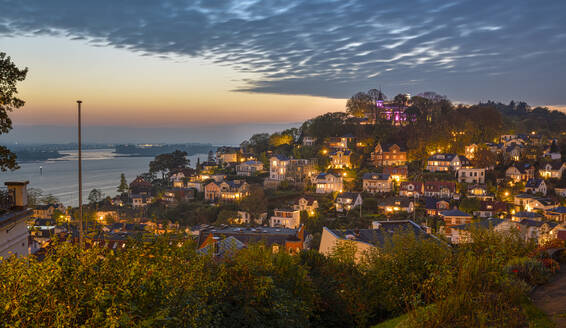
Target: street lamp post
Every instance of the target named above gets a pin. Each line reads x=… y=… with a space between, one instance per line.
x=80 y=180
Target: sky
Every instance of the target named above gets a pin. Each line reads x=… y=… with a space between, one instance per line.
x=215 y=70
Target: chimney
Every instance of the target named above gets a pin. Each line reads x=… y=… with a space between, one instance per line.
x=19 y=192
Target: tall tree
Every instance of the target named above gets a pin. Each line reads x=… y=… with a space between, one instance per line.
x=95 y=196
x=255 y=203
x=10 y=74
x=123 y=187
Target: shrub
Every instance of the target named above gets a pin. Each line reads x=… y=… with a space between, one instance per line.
x=532 y=271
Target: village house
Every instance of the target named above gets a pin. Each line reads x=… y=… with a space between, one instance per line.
x=520 y=172
x=377 y=183
x=249 y=168
x=561 y=192
x=244 y=217
x=309 y=141
x=397 y=173
x=339 y=142
x=345 y=201
x=434 y=206
x=340 y=159
x=411 y=189
x=226 y=191
x=388 y=155
x=446 y=162
x=139 y=201
x=439 y=189
x=278 y=167
x=524 y=215
x=140 y=187
x=453 y=218
x=208 y=167
x=392 y=205
x=479 y=192
x=46 y=211
x=277 y=238
x=227 y=155
x=327 y=183
x=552 y=170
x=471 y=175
x=300 y=170
x=535 y=186
x=367 y=239
x=556 y=214
x=514 y=152
x=286 y=218
x=537 y=230
x=490 y=209
x=462 y=233
x=307 y=204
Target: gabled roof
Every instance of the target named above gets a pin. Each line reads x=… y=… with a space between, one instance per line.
x=375 y=176
x=348 y=195
x=534 y=183
x=536 y=223
x=396 y=201
x=378 y=237
x=280 y=157
x=482 y=224
x=559 y=209
x=455 y=212
x=530 y=215
x=554 y=165
x=346 y=152
x=323 y=175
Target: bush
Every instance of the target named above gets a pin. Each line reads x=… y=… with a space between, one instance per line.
x=532 y=271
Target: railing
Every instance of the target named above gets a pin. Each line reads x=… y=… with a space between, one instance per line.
x=6 y=200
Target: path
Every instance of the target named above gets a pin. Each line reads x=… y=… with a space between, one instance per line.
x=551 y=297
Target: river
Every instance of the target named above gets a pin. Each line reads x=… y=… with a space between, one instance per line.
x=101 y=170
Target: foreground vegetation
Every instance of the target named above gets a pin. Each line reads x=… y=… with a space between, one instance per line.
x=480 y=284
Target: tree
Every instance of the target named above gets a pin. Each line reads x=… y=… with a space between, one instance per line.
x=9 y=76
x=166 y=163
x=359 y=104
x=123 y=187
x=95 y=196
x=484 y=158
x=255 y=203
x=49 y=199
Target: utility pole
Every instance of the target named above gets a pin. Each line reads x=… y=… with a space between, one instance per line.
x=81 y=237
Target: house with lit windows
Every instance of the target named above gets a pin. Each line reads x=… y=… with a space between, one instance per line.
x=471 y=175
x=278 y=167
x=327 y=183
x=388 y=155
x=345 y=201
x=340 y=159
x=552 y=170
x=226 y=190
x=377 y=183
x=446 y=162
x=285 y=218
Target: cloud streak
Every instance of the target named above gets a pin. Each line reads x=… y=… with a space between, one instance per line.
x=325 y=48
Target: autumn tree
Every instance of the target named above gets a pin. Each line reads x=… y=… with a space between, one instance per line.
x=10 y=75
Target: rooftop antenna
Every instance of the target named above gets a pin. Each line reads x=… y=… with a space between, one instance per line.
x=79 y=102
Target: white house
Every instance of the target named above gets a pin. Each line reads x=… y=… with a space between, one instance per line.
x=285 y=218
x=345 y=201
x=446 y=162
x=328 y=182
x=278 y=167
x=249 y=168
x=552 y=170
x=377 y=183
x=536 y=186
x=471 y=175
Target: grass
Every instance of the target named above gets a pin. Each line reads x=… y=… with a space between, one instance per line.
x=391 y=323
x=535 y=317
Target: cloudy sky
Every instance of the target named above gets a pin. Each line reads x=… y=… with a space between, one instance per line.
x=185 y=63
